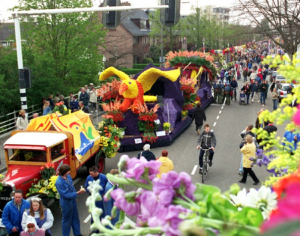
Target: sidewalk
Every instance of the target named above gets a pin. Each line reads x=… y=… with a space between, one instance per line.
x=4 y=137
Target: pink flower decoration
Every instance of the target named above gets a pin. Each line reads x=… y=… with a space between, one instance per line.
x=296 y=117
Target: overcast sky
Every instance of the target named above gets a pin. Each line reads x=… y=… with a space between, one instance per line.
x=6 y=4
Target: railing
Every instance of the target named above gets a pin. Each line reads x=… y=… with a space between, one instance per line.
x=8 y=121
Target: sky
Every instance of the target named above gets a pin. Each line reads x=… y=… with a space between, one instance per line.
x=6 y=4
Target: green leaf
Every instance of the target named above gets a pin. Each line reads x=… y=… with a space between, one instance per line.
x=249 y=216
x=285 y=229
x=202 y=190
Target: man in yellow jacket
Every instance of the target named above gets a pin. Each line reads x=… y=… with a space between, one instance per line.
x=166 y=163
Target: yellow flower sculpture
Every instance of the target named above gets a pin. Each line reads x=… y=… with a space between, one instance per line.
x=133 y=90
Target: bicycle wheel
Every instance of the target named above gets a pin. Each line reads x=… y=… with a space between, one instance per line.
x=203 y=173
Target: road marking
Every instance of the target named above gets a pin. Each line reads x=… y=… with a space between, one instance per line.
x=215 y=124
x=220 y=112
x=88 y=218
x=212 y=130
x=218 y=105
x=194 y=170
x=217 y=117
x=222 y=107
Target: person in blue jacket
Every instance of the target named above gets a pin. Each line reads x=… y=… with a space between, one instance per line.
x=95 y=175
x=67 y=201
x=109 y=204
x=13 y=212
x=293 y=138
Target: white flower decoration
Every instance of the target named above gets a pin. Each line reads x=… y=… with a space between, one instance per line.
x=263 y=199
x=240 y=199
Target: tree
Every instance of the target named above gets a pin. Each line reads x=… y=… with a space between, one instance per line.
x=62 y=50
x=274 y=18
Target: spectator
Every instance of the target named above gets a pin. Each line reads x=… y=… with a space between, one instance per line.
x=35 y=115
x=93 y=99
x=267 y=84
x=109 y=204
x=32 y=228
x=146 y=153
x=246 y=88
x=238 y=74
x=74 y=104
x=263 y=88
x=43 y=103
x=245 y=74
x=292 y=138
x=12 y=213
x=46 y=108
x=22 y=121
x=234 y=86
x=50 y=99
x=91 y=86
x=79 y=92
x=248 y=151
x=166 y=163
x=84 y=97
x=83 y=107
x=67 y=201
x=94 y=176
x=43 y=217
x=199 y=116
x=56 y=99
x=71 y=95
x=275 y=98
x=86 y=88
x=62 y=99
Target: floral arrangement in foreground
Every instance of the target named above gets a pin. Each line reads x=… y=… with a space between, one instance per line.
x=46 y=185
x=147 y=124
x=110 y=136
x=173 y=205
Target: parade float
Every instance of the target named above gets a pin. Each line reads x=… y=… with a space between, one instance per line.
x=153 y=106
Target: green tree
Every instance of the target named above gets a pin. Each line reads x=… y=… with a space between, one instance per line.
x=62 y=50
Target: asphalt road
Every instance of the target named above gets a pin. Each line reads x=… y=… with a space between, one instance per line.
x=226 y=121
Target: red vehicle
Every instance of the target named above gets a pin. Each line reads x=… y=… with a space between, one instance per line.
x=27 y=151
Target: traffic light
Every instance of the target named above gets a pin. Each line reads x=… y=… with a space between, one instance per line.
x=25 y=78
x=170 y=16
x=111 y=19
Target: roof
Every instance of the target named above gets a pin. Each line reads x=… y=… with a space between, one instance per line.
x=126 y=21
x=36 y=138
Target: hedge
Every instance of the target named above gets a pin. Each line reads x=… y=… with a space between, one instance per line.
x=130 y=71
x=142 y=66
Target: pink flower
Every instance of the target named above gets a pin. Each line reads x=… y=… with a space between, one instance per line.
x=296 y=117
x=131 y=206
x=288 y=208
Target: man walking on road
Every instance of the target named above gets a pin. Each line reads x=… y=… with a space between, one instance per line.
x=207 y=140
x=263 y=89
x=199 y=116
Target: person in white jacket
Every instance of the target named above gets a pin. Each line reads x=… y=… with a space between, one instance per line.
x=22 y=121
x=43 y=216
x=93 y=99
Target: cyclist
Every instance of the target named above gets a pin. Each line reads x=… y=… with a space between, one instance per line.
x=206 y=140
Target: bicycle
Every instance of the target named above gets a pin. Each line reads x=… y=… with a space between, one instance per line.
x=205 y=163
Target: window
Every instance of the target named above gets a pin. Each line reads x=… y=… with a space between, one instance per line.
x=28 y=155
x=56 y=151
x=143 y=24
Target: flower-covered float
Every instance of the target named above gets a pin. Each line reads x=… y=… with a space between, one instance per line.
x=198 y=73
x=144 y=103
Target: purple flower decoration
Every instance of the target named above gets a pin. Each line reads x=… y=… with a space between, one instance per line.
x=136 y=169
x=172 y=184
x=130 y=206
x=251 y=159
x=265 y=160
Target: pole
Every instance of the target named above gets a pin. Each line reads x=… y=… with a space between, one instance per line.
x=23 y=96
x=161 y=46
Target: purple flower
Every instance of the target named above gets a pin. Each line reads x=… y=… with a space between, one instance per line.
x=173 y=184
x=265 y=161
x=251 y=159
x=130 y=206
x=136 y=169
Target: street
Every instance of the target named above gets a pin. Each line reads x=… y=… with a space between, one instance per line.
x=227 y=122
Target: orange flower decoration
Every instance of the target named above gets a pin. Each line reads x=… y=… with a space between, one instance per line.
x=280 y=186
